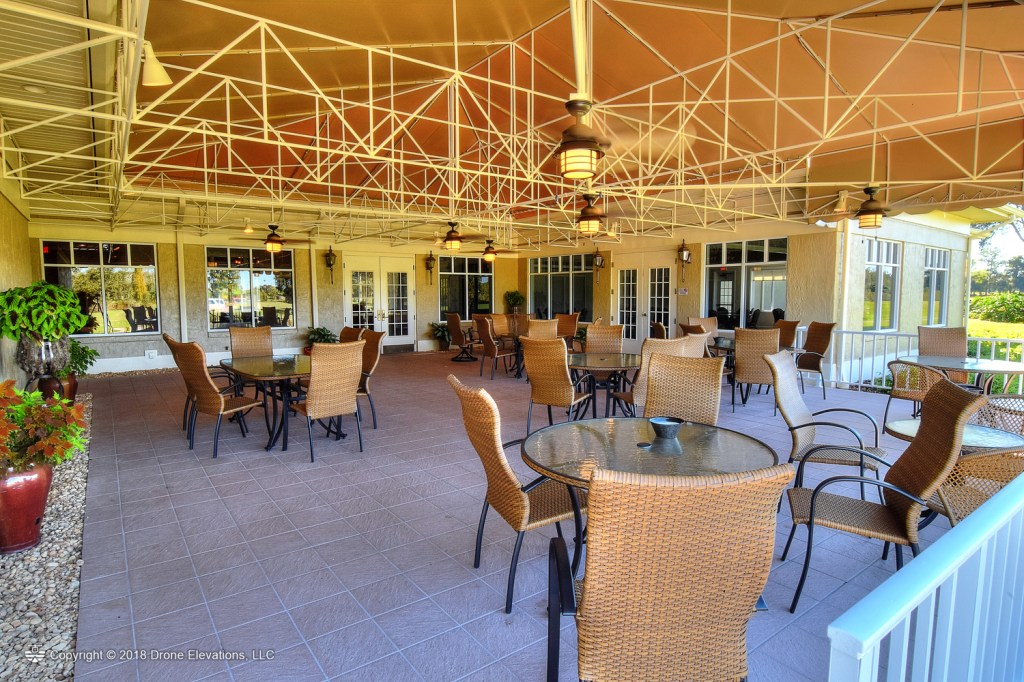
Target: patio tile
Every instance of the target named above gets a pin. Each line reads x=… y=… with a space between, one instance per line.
x=387 y=594
x=414 y=622
x=165 y=599
x=326 y=615
x=103 y=616
x=232 y=581
x=351 y=647
x=393 y=668
x=244 y=607
x=164 y=632
x=275 y=632
x=433 y=659
x=295 y=664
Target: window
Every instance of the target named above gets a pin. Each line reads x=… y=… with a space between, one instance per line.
x=115 y=283
x=562 y=284
x=881 y=284
x=249 y=288
x=936 y=290
x=467 y=286
x=757 y=270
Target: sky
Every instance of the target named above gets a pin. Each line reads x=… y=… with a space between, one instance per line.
x=1006 y=241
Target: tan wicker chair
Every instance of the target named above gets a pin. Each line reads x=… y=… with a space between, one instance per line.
x=749 y=367
x=803 y=427
x=525 y=507
x=687 y=388
x=634 y=394
x=459 y=339
x=675 y=565
x=371 y=357
x=215 y=373
x=908 y=485
x=547 y=363
x=334 y=374
x=543 y=329
x=787 y=332
x=206 y=397
x=710 y=324
x=248 y=342
x=350 y=334
x=688 y=329
x=605 y=338
x=812 y=356
x=567 y=324
x=945 y=341
x=491 y=348
x=910 y=381
x=658 y=331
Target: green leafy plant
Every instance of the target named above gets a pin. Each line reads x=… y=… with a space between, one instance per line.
x=81 y=358
x=42 y=311
x=321 y=335
x=1007 y=307
x=514 y=298
x=37 y=430
x=440 y=331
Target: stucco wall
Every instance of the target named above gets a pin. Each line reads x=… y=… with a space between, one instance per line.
x=812 y=279
x=15 y=271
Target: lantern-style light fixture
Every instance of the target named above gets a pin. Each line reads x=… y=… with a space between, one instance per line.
x=330 y=258
x=591 y=218
x=452 y=239
x=489 y=252
x=598 y=264
x=428 y=263
x=580 y=149
x=685 y=255
x=248 y=227
x=871 y=211
x=273 y=243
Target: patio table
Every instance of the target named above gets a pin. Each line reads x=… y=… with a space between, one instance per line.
x=616 y=363
x=976 y=436
x=278 y=372
x=982 y=366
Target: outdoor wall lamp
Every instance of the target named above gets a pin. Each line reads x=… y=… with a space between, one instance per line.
x=598 y=264
x=685 y=255
x=331 y=258
x=428 y=263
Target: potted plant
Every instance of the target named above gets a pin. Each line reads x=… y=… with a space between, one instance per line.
x=319 y=335
x=439 y=331
x=65 y=382
x=36 y=433
x=514 y=300
x=40 y=318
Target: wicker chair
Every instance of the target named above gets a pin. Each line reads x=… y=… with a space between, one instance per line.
x=459 y=339
x=812 y=356
x=688 y=329
x=605 y=338
x=787 y=332
x=491 y=348
x=908 y=485
x=567 y=324
x=946 y=341
x=675 y=565
x=371 y=356
x=634 y=394
x=215 y=373
x=350 y=334
x=803 y=427
x=543 y=329
x=687 y=388
x=910 y=381
x=547 y=363
x=525 y=507
x=248 y=342
x=707 y=325
x=749 y=367
x=205 y=396
x=658 y=331
x=334 y=374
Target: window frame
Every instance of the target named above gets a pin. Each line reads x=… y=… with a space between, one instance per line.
x=892 y=258
x=482 y=268
x=764 y=258
x=252 y=287
x=936 y=260
x=568 y=265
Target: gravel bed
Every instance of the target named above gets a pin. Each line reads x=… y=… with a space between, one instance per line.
x=39 y=597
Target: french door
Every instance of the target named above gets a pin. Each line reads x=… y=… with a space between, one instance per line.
x=379 y=295
x=643 y=294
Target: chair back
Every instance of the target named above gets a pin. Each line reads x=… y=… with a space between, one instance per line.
x=605 y=338
x=674 y=347
x=751 y=347
x=547 y=364
x=688 y=329
x=931 y=456
x=1004 y=412
x=520 y=323
x=485 y=332
x=543 y=329
x=248 y=342
x=500 y=326
x=788 y=399
x=696 y=345
x=483 y=426
x=567 y=323
x=372 y=349
x=675 y=565
x=816 y=343
x=334 y=372
x=191 y=361
x=911 y=381
x=948 y=341
x=686 y=388
x=658 y=331
x=710 y=324
x=269 y=313
x=787 y=332
x=599 y=321
x=455 y=329
x=350 y=334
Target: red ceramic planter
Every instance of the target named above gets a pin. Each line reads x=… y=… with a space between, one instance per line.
x=22 y=504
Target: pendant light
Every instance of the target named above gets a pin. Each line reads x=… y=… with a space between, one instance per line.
x=580 y=149
x=153 y=72
x=871 y=212
x=452 y=239
x=489 y=253
x=273 y=243
x=591 y=218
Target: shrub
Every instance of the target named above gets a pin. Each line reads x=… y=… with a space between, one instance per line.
x=999 y=307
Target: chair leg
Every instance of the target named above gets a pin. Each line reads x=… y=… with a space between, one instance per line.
x=734 y=394
x=529 y=414
x=789 y=541
x=807 y=566
x=184 y=413
x=192 y=427
x=482 y=358
x=241 y=423
x=802 y=389
x=551 y=420
x=512 y=571
x=899 y=556
x=558 y=529
x=885 y=551
x=885 y=415
x=480 y=534
x=494 y=366
x=216 y=435
x=309 y=430
x=822 y=385
x=359 y=428
x=373 y=410
x=554 y=618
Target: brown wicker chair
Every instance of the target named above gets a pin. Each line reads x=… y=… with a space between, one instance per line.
x=525 y=507
x=543 y=329
x=688 y=329
x=633 y=395
x=749 y=367
x=334 y=373
x=803 y=427
x=658 y=331
x=707 y=325
x=908 y=485
x=567 y=324
x=215 y=373
x=492 y=349
x=687 y=388
x=812 y=355
x=547 y=363
x=350 y=334
x=910 y=381
x=945 y=341
x=206 y=397
x=371 y=356
x=605 y=338
x=459 y=339
x=248 y=342
x=675 y=565
x=787 y=332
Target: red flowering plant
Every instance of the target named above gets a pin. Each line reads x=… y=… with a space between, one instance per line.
x=37 y=430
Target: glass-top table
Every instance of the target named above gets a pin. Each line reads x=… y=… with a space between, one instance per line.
x=987 y=368
x=975 y=437
x=279 y=371
x=616 y=363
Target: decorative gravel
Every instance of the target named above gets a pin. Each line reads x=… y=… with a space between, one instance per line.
x=39 y=593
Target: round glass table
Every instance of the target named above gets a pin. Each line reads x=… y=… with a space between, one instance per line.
x=613 y=363
x=976 y=436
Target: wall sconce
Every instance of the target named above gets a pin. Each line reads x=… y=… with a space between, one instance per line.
x=331 y=258
x=685 y=256
x=428 y=263
x=598 y=264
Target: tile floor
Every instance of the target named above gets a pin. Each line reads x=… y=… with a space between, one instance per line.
x=359 y=566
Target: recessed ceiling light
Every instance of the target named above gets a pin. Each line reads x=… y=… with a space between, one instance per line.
x=35 y=89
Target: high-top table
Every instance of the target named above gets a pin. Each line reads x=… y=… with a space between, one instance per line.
x=278 y=372
x=986 y=368
x=616 y=363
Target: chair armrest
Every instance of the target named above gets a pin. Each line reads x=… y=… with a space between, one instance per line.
x=534 y=483
x=860 y=441
x=585 y=382
x=863 y=480
x=862 y=453
x=506 y=446
x=560 y=577
x=850 y=409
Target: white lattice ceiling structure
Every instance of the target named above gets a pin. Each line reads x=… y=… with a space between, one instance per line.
x=377 y=119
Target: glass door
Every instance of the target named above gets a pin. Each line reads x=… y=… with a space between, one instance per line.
x=379 y=295
x=643 y=294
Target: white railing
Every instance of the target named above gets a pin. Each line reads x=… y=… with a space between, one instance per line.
x=858 y=359
x=953 y=614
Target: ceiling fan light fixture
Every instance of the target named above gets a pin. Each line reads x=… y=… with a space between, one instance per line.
x=580 y=148
x=273 y=243
x=489 y=253
x=452 y=239
x=871 y=212
x=591 y=218
x=153 y=72
x=248 y=227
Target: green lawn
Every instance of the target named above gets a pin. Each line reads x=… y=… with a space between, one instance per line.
x=996 y=330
